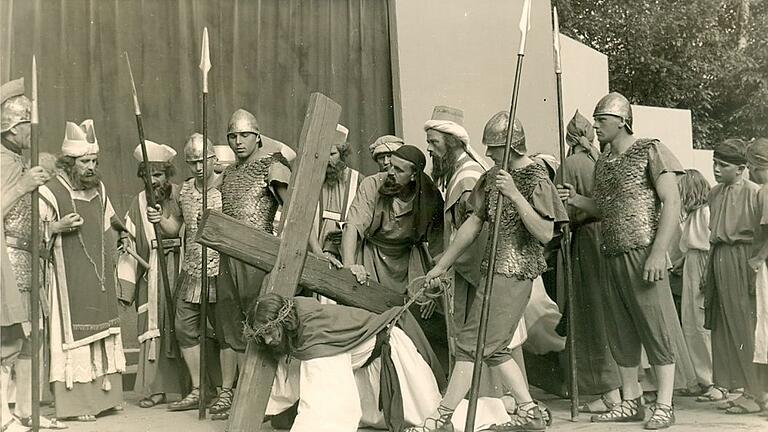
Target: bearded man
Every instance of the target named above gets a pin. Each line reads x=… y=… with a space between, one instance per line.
x=159 y=370
x=336 y=196
x=395 y=218
x=456 y=168
x=377 y=377
x=80 y=223
x=381 y=150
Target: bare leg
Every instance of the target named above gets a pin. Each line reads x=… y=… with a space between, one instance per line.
x=228 y=358
x=192 y=359
x=514 y=380
x=630 y=386
x=5 y=378
x=23 y=368
x=665 y=375
x=459 y=385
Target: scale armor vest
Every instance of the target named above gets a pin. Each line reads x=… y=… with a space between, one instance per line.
x=627 y=200
x=18 y=223
x=191 y=204
x=246 y=196
x=519 y=254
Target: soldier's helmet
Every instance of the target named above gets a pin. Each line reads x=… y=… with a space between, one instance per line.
x=15 y=108
x=243 y=121
x=615 y=104
x=495 y=133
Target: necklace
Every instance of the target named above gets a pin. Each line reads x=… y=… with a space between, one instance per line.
x=100 y=276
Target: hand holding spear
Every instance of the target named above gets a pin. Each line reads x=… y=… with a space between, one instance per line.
x=525 y=25
x=152 y=202
x=205 y=66
x=565 y=239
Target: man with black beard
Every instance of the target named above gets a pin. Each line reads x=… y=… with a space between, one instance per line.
x=395 y=218
x=159 y=368
x=339 y=189
x=82 y=228
x=376 y=376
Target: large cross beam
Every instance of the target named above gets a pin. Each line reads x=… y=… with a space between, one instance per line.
x=258 y=372
x=259 y=249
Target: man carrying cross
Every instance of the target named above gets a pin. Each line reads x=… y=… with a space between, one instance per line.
x=367 y=361
x=159 y=370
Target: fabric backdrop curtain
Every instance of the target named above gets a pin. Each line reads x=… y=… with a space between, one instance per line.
x=267 y=55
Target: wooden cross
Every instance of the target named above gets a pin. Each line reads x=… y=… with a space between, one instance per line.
x=258 y=372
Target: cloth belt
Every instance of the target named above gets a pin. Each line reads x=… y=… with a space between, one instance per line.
x=381 y=338
x=168 y=243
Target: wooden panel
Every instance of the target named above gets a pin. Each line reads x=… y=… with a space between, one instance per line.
x=258 y=372
x=259 y=249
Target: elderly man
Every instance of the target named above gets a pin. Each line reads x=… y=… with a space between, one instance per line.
x=159 y=370
x=86 y=347
x=17 y=181
x=635 y=195
x=251 y=191
x=336 y=196
x=382 y=148
x=456 y=168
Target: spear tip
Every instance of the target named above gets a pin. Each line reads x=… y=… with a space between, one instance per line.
x=205 y=59
x=136 y=107
x=556 y=39
x=525 y=25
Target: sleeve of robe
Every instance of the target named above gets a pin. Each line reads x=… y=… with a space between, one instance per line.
x=360 y=215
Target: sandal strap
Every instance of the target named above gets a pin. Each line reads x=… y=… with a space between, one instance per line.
x=627 y=408
x=662 y=412
x=433 y=423
x=608 y=403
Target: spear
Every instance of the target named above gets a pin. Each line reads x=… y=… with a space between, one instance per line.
x=525 y=25
x=152 y=202
x=205 y=66
x=34 y=310
x=565 y=239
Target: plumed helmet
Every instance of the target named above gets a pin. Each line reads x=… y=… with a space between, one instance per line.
x=615 y=104
x=495 y=133
x=243 y=121
x=15 y=108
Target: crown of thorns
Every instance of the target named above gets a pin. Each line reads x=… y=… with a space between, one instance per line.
x=251 y=333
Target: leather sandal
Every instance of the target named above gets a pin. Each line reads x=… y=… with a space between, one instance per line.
x=190 y=402
x=663 y=417
x=528 y=417
x=714 y=393
x=438 y=422
x=631 y=410
x=586 y=408
x=152 y=400
x=45 y=423
x=224 y=402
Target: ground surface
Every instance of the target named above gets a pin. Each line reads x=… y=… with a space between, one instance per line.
x=691 y=416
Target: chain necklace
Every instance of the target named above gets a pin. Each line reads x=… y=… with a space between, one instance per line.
x=100 y=276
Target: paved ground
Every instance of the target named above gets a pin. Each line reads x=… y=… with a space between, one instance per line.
x=691 y=416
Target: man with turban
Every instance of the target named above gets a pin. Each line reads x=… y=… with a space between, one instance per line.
x=251 y=189
x=635 y=195
x=159 y=370
x=730 y=281
x=456 y=168
x=395 y=219
x=757 y=162
x=531 y=214
x=381 y=150
x=598 y=372
x=83 y=230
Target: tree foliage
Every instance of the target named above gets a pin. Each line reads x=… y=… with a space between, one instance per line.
x=709 y=56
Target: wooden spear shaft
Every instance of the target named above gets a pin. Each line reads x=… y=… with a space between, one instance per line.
x=565 y=239
x=34 y=294
x=486 y=304
x=205 y=66
x=152 y=201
